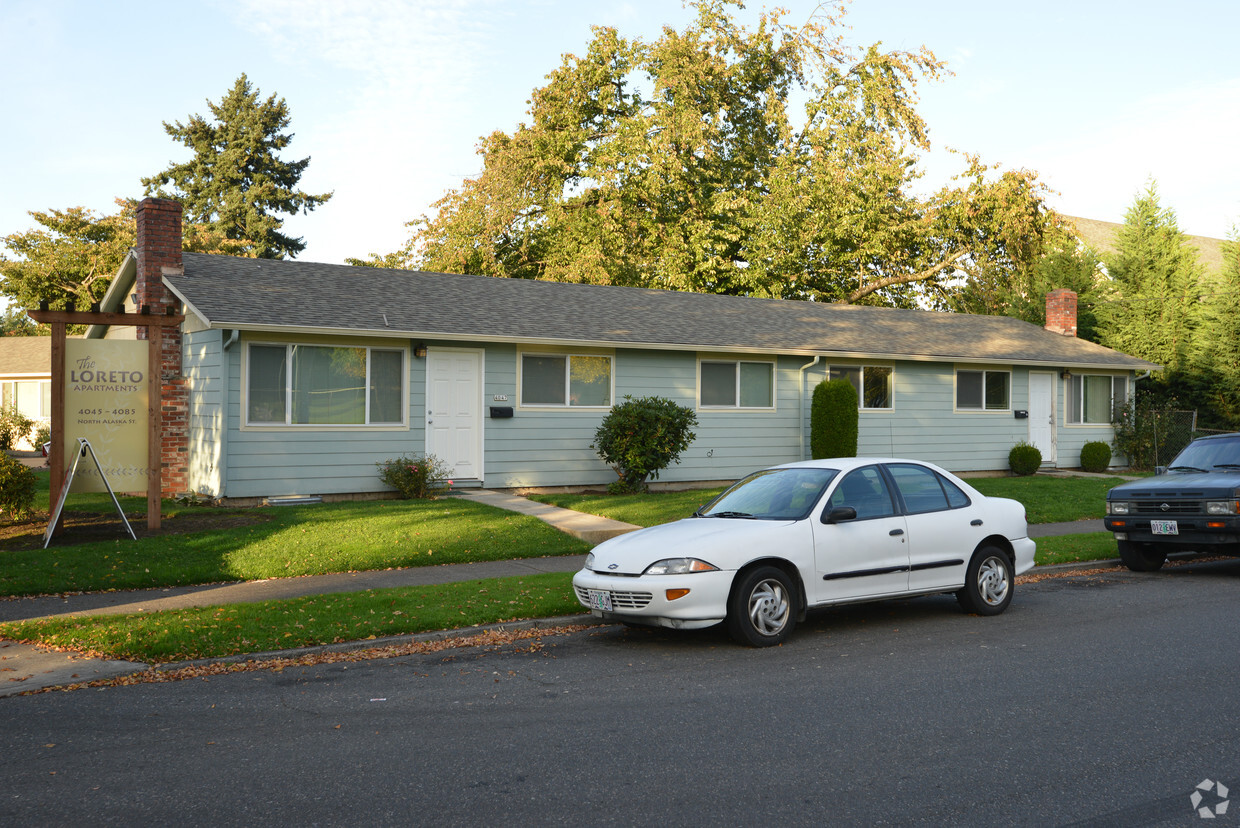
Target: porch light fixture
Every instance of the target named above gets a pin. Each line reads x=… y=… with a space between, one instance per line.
x=1065 y=374
x=419 y=350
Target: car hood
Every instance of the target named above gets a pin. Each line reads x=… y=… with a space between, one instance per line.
x=724 y=542
x=1180 y=484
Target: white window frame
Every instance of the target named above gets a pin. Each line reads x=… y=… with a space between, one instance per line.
x=288 y=389
x=982 y=409
x=891 y=384
x=45 y=389
x=1076 y=400
x=737 y=389
x=568 y=376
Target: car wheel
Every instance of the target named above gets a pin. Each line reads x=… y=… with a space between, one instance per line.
x=988 y=583
x=1141 y=557
x=762 y=608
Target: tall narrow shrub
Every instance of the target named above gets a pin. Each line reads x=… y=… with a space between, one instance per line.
x=833 y=420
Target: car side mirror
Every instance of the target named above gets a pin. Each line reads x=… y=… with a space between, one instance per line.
x=1159 y=470
x=840 y=514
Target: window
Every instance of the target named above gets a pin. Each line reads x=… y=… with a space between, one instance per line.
x=737 y=385
x=924 y=490
x=983 y=390
x=866 y=491
x=575 y=381
x=324 y=385
x=33 y=398
x=1092 y=398
x=873 y=383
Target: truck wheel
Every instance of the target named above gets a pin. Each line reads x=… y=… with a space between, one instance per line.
x=1141 y=557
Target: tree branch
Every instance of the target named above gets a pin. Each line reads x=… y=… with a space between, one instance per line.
x=904 y=279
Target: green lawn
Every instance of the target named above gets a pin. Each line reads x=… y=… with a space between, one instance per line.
x=1091 y=546
x=205 y=632
x=1046 y=499
x=278 y=542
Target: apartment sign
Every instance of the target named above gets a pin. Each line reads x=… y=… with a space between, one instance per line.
x=106 y=403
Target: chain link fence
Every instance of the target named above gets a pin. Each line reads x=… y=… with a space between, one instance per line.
x=1151 y=437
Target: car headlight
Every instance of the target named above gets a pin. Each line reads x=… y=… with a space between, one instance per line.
x=679 y=566
x=590 y=562
x=1118 y=507
x=1222 y=507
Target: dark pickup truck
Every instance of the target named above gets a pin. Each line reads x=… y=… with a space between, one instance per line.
x=1192 y=506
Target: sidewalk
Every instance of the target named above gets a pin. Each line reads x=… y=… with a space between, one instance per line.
x=25 y=667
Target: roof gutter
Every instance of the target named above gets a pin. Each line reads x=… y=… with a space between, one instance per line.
x=801 y=402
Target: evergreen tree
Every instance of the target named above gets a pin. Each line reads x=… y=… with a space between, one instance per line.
x=1149 y=307
x=236 y=183
x=1216 y=352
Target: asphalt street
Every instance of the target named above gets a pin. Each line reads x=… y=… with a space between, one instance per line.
x=1103 y=699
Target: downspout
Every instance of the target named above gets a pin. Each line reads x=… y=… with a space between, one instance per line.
x=222 y=464
x=801 y=402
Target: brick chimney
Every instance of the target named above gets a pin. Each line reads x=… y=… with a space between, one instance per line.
x=1061 y=312
x=159 y=253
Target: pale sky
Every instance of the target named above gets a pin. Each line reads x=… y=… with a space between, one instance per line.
x=389 y=98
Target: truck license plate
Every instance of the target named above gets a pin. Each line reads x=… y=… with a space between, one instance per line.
x=1164 y=527
x=600 y=599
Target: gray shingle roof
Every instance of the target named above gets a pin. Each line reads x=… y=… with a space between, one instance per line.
x=260 y=294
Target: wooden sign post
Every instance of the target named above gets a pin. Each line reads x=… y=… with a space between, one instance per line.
x=154 y=325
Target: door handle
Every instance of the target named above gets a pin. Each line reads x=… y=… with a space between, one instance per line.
x=896 y=532
x=976 y=522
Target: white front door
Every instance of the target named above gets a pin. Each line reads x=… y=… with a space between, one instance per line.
x=454 y=410
x=1042 y=414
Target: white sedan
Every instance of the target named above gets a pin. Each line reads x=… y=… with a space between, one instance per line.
x=813 y=534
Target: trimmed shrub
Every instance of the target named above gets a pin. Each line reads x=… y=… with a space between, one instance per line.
x=42 y=434
x=640 y=438
x=421 y=476
x=14 y=427
x=1024 y=459
x=833 y=420
x=1095 y=456
x=17 y=488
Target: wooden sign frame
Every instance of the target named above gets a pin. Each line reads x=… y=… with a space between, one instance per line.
x=154 y=325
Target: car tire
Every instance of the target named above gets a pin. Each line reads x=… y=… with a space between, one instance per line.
x=1141 y=557
x=762 y=609
x=988 y=582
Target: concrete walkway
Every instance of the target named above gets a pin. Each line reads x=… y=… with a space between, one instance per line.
x=25 y=667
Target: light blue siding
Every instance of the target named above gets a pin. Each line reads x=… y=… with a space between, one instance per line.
x=551 y=446
x=202 y=366
x=308 y=461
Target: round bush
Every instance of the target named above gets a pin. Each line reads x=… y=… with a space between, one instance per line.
x=17 y=486
x=1024 y=459
x=639 y=438
x=1095 y=456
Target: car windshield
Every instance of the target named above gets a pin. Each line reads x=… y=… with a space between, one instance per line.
x=774 y=494
x=1208 y=455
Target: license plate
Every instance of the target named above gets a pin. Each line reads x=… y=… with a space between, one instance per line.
x=600 y=599
x=1164 y=527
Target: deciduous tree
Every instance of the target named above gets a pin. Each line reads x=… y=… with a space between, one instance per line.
x=72 y=254
x=677 y=164
x=236 y=183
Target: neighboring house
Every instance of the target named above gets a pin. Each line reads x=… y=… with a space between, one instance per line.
x=26 y=379
x=1100 y=235
x=296 y=378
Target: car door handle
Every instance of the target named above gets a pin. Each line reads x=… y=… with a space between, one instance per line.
x=976 y=522
x=896 y=532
